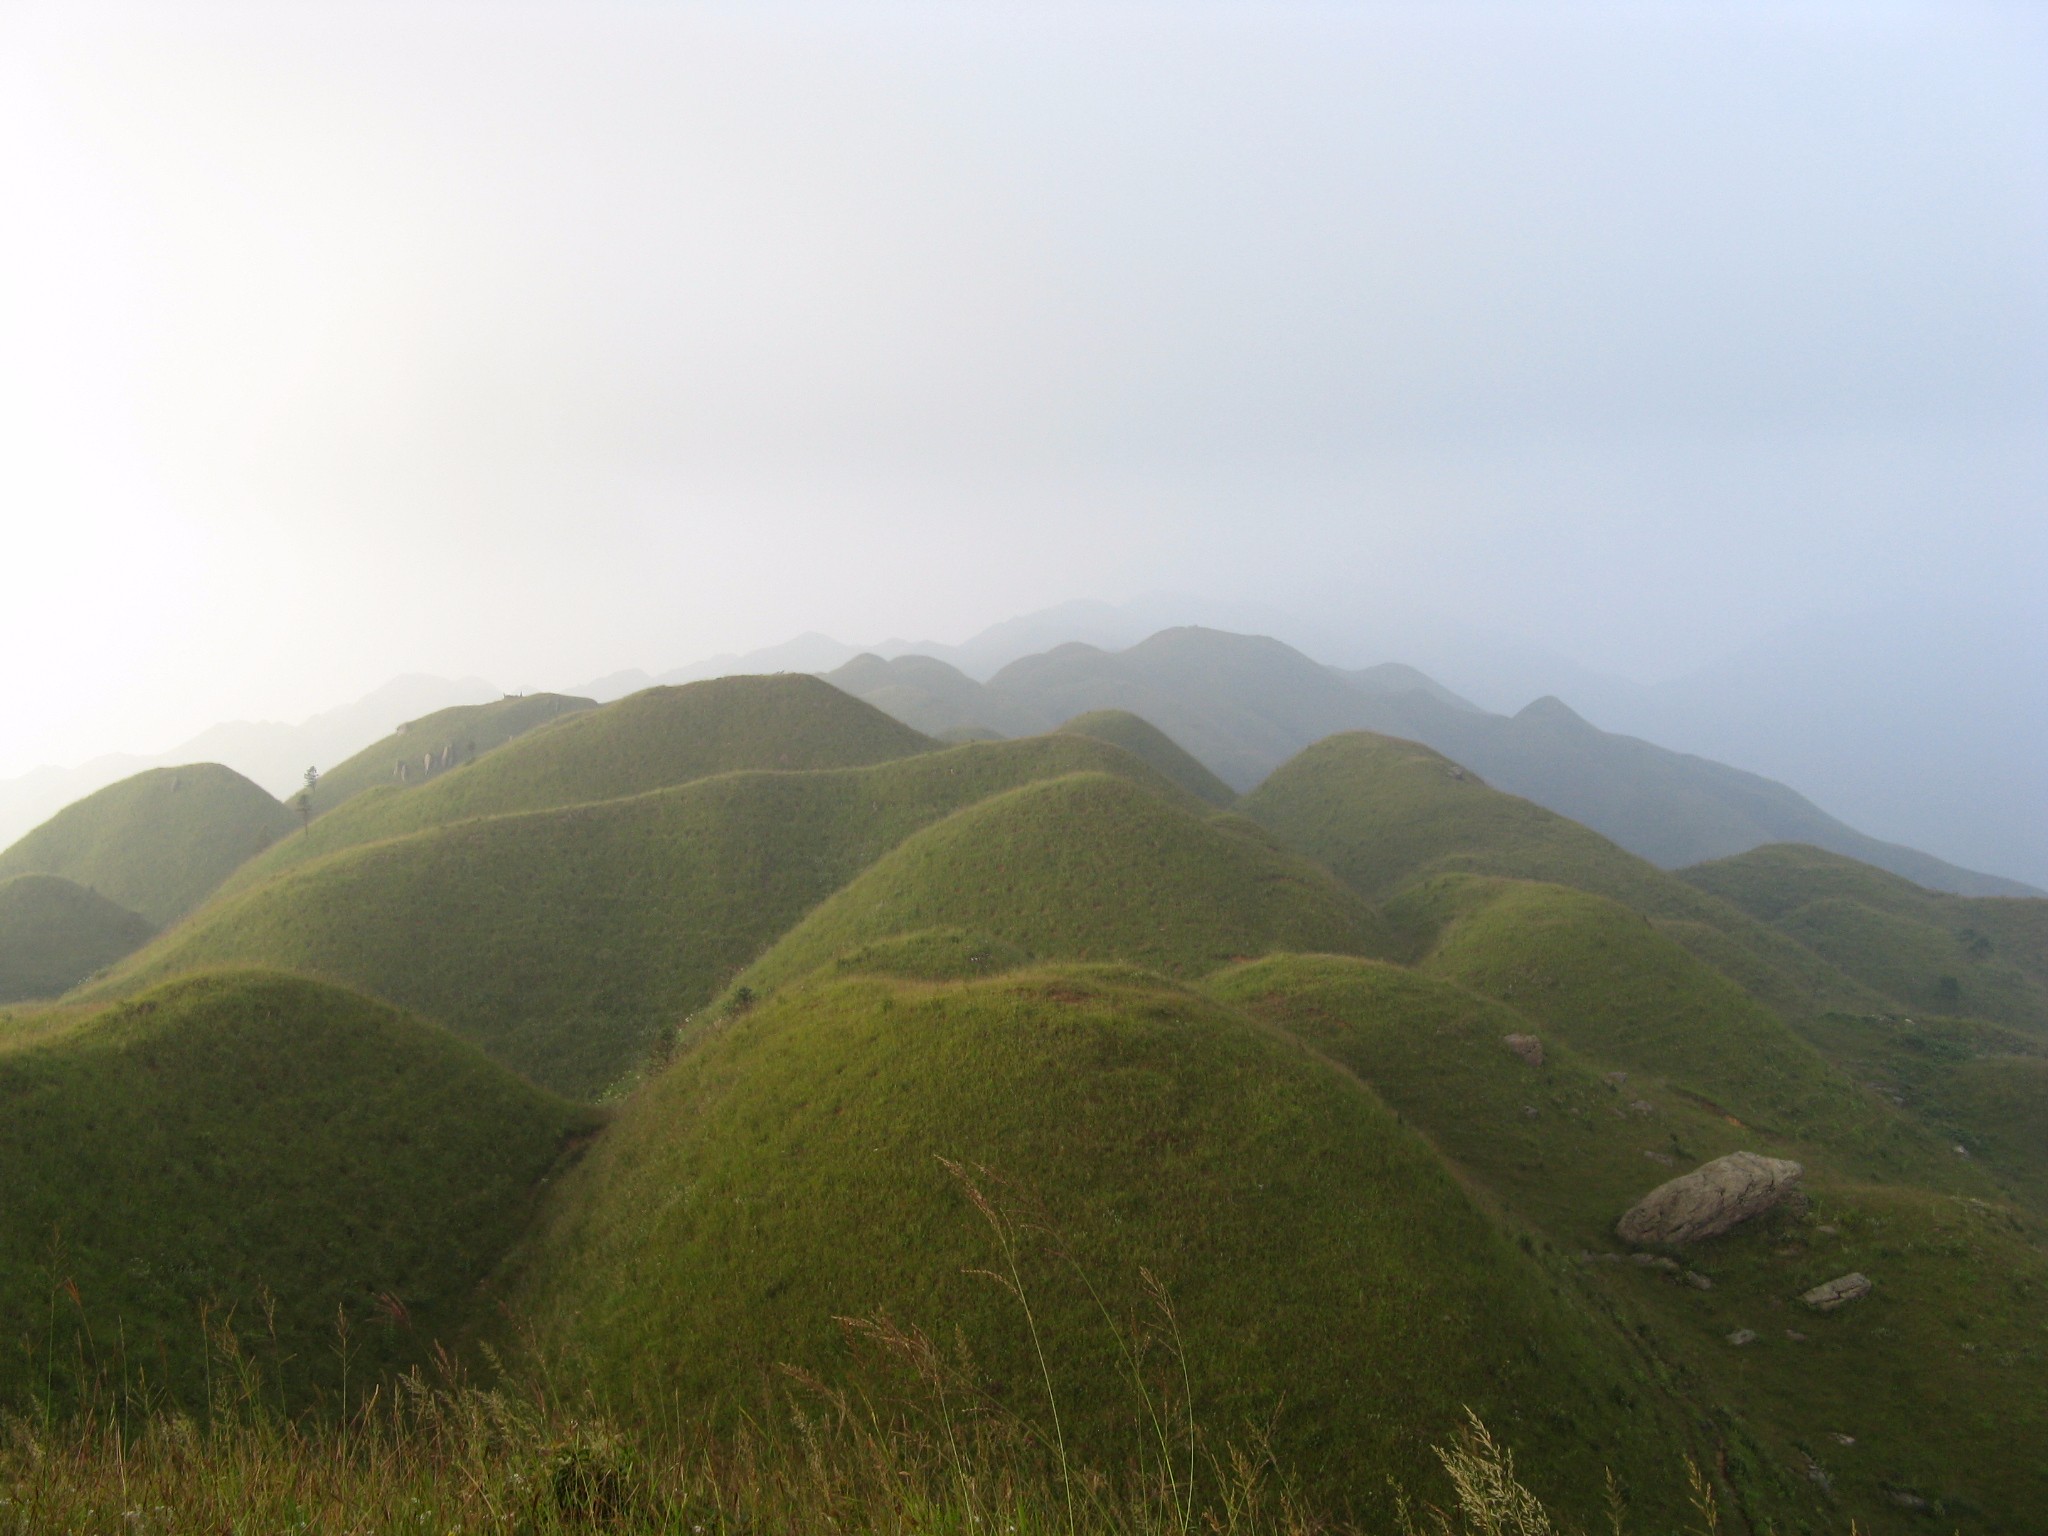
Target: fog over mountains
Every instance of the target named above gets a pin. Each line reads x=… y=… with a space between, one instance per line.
x=1915 y=772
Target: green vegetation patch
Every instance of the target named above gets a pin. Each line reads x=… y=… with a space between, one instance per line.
x=1384 y=813
x=254 y=1145
x=566 y=942
x=54 y=934
x=1089 y=867
x=425 y=748
x=1145 y=740
x=654 y=739
x=1609 y=984
x=1564 y=1142
x=1985 y=956
x=1328 y=1277
x=158 y=843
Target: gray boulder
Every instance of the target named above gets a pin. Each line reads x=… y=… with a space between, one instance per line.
x=1710 y=1200
x=1841 y=1289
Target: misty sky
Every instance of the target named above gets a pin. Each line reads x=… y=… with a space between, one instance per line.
x=536 y=341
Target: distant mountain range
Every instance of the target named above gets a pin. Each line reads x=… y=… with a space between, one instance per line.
x=1268 y=700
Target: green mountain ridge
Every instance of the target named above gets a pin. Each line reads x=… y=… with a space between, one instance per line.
x=54 y=934
x=158 y=843
x=232 y=1137
x=565 y=941
x=1321 y=1264
x=448 y=738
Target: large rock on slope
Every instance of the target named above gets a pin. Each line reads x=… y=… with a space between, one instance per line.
x=1708 y=1201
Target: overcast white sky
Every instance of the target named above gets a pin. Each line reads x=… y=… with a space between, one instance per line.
x=538 y=341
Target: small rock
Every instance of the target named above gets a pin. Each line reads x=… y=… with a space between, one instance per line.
x=1617 y=1078
x=1962 y=1151
x=1837 y=1292
x=1641 y=1107
x=1742 y=1336
x=1906 y=1500
x=1660 y=1157
x=1841 y=1439
x=1795 y=1336
x=1528 y=1047
x=1529 y=1111
x=1696 y=1280
x=1708 y=1201
x=1829 y=1231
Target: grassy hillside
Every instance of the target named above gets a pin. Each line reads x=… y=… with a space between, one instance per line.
x=654 y=739
x=1088 y=867
x=1982 y=956
x=431 y=745
x=564 y=942
x=1982 y=1088
x=1327 y=1276
x=260 y=1145
x=157 y=843
x=54 y=934
x=1608 y=984
x=1383 y=812
x=1144 y=740
x=1926 y=1390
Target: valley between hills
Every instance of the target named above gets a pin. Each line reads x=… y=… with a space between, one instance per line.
x=1139 y=1055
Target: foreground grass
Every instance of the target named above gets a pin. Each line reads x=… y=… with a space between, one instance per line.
x=452 y=1458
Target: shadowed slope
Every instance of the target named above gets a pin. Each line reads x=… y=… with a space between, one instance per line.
x=1383 y=812
x=448 y=738
x=157 y=843
x=565 y=941
x=1984 y=956
x=54 y=934
x=1327 y=1276
x=240 y=1133
x=1958 y=1281
x=1089 y=867
x=655 y=739
x=1613 y=987
x=1145 y=740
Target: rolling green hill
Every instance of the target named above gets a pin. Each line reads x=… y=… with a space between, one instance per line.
x=1611 y=986
x=242 y=1136
x=1144 y=740
x=431 y=745
x=651 y=740
x=157 y=843
x=54 y=934
x=1088 y=867
x=1383 y=812
x=1327 y=1277
x=1918 y=1406
x=1986 y=956
x=564 y=942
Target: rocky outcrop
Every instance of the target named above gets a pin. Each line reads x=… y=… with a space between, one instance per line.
x=1528 y=1047
x=1710 y=1200
x=1836 y=1292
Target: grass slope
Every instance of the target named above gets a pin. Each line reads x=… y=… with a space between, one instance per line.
x=654 y=739
x=448 y=738
x=1984 y=956
x=1607 y=983
x=239 y=1134
x=1088 y=867
x=1935 y=1379
x=157 y=843
x=1144 y=740
x=1383 y=812
x=565 y=941
x=1328 y=1277
x=54 y=934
